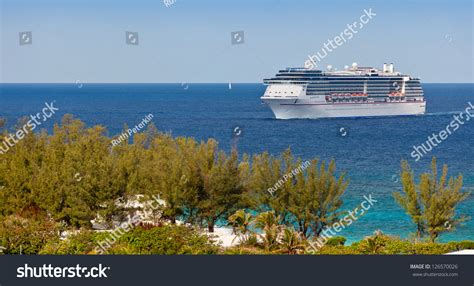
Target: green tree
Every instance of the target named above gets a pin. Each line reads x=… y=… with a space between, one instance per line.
x=170 y=174
x=373 y=244
x=73 y=181
x=241 y=223
x=221 y=189
x=267 y=222
x=213 y=189
x=305 y=195
x=432 y=203
x=266 y=187
x=18 y=169
x=409 y=199
x=316 y=198
x=291 y=241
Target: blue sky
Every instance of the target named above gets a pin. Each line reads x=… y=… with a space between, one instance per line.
x=190 y=41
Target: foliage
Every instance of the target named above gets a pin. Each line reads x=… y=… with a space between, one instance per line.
x=409 y=201
x=336 y=241
x=68 y=174
x=63 y=180
x=305 y=195
x=241 y=222
x=171 y=239
x=80 y=242
x=391 y=246
x=337 y=250
x=219 y=191
x=26 y=233
x=383 y=244
x=242 y=250
x=267 y=222
x=291 y=241
x=373 y=244
x=165 y=240
x=465 y=244
x=432 y=203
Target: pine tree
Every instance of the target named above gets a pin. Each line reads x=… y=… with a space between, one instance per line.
x=221 y=190
x=432 y=203
x=304 y=195
x=409 y=199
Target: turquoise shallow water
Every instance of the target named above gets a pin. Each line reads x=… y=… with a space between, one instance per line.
x=370 y=153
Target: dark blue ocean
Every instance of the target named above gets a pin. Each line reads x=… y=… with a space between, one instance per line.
x=369 y=153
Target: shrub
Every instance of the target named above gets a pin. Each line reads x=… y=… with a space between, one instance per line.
x=240 y=250
x=460 y=245
x=398 y=246
x=121 y=248
x=169 y=239
x=337 y=250
x=250 y=241
x=82 y=242
x=373 y=244
x=20 y=235
x=336 y=241
x=431 y=248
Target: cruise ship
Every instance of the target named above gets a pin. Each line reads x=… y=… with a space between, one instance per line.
x=352 y=92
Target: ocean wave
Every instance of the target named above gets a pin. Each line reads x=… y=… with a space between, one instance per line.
x=441 y=113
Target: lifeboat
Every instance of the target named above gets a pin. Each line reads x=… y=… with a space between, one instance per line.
x=396 y=94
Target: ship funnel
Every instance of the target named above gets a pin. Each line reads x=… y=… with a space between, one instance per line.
x=385 y=67
x=390 y=68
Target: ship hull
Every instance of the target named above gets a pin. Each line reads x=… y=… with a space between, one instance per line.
x=288 y=109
